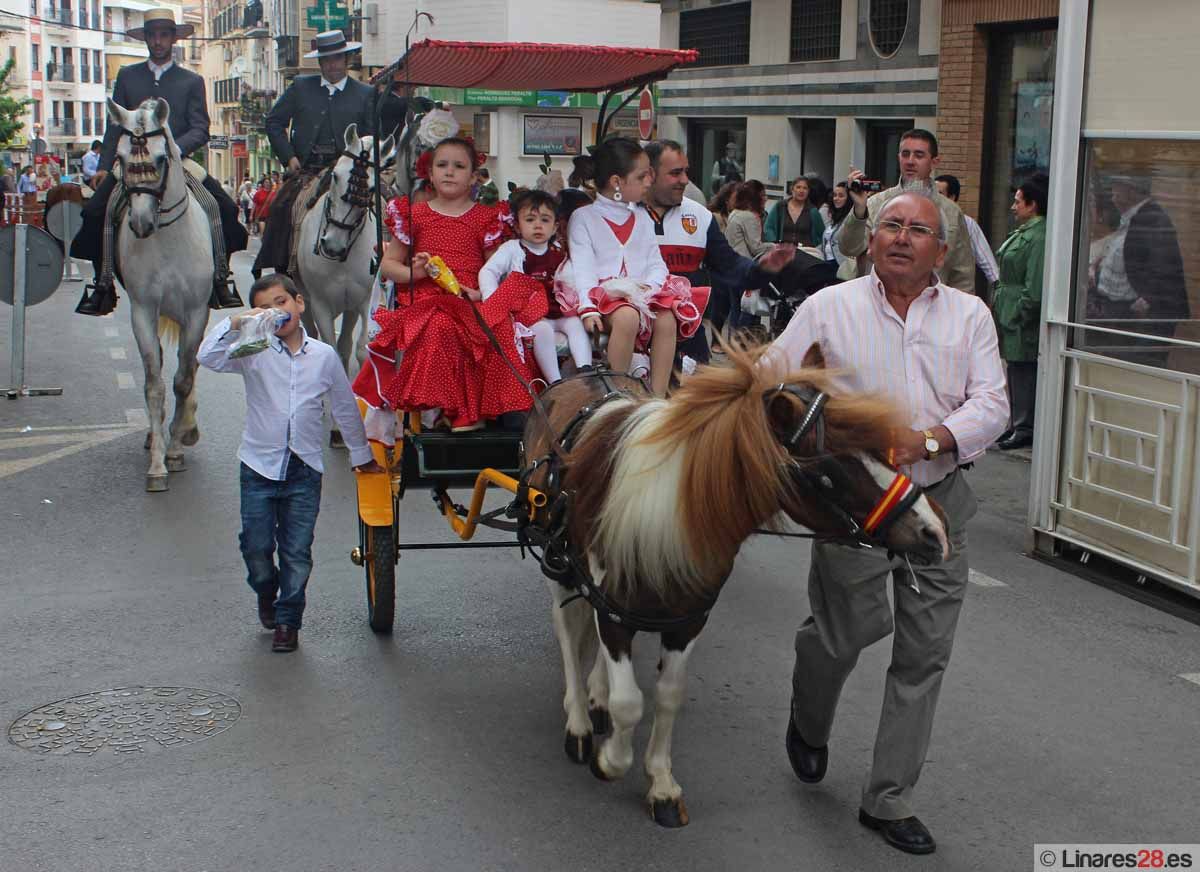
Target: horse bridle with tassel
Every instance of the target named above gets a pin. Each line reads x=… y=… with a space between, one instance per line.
x=140 y=163
x=358 y=197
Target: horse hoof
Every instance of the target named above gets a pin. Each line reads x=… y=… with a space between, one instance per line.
x=191 y=437
x=175 y=463
x=669 y=813
x=594 y=766
x=156 y=484
x=336 y=440
x=601 y=722
x=578 y=748
x=146 y=444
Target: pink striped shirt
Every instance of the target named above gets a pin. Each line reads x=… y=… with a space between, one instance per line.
x=941 y=363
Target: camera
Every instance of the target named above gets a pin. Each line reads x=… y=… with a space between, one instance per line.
x=869 y=185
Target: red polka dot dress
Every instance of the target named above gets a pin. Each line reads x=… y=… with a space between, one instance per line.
x=448 y=362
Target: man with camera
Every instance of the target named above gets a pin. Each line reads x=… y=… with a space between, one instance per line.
x=918 y=157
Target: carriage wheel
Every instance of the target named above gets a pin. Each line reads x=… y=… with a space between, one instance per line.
x=379 y=560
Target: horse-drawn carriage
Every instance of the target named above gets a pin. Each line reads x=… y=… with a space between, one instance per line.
x=612 y=490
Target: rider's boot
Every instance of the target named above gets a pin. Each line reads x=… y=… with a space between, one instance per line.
x=103 y=297
x=225 y=294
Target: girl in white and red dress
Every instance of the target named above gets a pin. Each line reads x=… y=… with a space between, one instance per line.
x=615 y=260
x=445 y=359
x=537 y=254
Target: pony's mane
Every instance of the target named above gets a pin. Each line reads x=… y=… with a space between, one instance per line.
x=714 y=437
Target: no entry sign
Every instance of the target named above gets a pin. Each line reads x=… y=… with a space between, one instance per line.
x=646 y=114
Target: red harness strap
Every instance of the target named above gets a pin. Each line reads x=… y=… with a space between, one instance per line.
x=892 y=497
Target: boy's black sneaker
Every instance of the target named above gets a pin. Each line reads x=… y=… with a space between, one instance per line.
x=286 y=639
x=266 y=610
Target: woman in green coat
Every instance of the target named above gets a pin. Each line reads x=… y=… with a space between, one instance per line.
x=795 y=221
x=1017 y=306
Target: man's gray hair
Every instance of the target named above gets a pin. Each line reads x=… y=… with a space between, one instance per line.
x=925 y=195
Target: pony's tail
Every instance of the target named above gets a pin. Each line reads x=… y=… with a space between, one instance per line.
x=168 y=330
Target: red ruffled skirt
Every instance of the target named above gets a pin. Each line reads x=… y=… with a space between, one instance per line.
x=448 y=361
x=677 y=296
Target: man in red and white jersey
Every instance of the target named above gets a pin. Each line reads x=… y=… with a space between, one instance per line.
x=692 y=243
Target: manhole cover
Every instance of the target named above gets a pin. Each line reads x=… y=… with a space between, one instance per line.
x=128 y=720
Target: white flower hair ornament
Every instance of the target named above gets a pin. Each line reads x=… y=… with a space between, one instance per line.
x=436 y=125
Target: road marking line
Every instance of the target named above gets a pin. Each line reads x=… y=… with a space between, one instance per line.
x=75 y=444
x=137 y=417
x=110 y=332
x=68 y=427
x=124 y=380
x=1193 y=677
x=978 y=578
x=116 y=353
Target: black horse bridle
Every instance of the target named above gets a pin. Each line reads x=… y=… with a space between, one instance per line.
x=825 y=476
x=358 y=200
x=138 y=139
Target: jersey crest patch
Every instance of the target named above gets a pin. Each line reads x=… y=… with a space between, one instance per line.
x=689 y=223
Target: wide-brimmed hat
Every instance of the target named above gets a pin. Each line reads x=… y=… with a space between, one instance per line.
x=153 y=16
x=331 y=42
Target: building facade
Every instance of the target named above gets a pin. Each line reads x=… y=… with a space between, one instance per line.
x=800 y=85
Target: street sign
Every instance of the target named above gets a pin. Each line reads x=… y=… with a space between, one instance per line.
x=327 y=15
x=239 y=147
x=218 y=142
x=646 y=114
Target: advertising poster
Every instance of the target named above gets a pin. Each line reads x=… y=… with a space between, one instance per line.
x=556 y=135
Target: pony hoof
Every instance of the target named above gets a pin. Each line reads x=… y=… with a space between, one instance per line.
x=191 y=437
x=336 y=440
x=595 y=767
x=601 y=722
x=669 y=813
x=578 y=748
x=175 y=463
x=156 y=484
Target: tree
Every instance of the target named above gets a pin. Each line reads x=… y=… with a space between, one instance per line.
x=12 y=109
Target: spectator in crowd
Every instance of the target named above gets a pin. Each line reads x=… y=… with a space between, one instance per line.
x=720 y=204
x=263 y=198
x=43 y=179
x=818 y=194
x=1140 y=274
x=918 y=158
x=949 y=186
x=8 y=183
x=27 y=184
x=245 y=199
x=583 y=169
x=1017 y=306
x=91 y=162
x=831 y=249
x=761 y=191
x=728 y=168
x=744 y=229
x=795 y=221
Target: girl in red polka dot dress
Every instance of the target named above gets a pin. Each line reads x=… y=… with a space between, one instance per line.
x=430 y=352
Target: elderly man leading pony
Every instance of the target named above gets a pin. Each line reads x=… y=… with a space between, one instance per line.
x=183 y=90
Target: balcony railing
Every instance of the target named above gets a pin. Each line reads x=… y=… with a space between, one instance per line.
x=227 y=90
x=66 y=73
x=83 y=18
x=62 y=127
x=85 y=73
x=229 y=19
x=85 y=127
x=287 y=52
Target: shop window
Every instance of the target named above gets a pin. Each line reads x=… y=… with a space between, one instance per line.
x=720 y=33
x=888 y=22
x=816 y=30
x=1140 y=198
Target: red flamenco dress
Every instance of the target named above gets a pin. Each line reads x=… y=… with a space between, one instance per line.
x=446 y=360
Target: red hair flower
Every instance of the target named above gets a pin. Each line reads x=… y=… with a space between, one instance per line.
x=424 y=162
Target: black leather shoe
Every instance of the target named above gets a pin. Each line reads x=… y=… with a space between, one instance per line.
x=907 y=834
x=286 y=639
x=225 y=296
x=808 y=763
x=1017 y=440
x=101 y=301
x=266 y=610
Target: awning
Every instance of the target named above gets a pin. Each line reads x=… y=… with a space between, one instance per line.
x=529 y=66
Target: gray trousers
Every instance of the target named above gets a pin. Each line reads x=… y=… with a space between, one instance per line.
x=1022 y=393
x=847 y=588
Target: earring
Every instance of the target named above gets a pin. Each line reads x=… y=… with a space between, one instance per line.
x=617 y=195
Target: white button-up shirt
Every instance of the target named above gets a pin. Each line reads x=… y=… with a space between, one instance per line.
x=939 y=365
x=331 y=87
x=283 y=401
x=157 y=70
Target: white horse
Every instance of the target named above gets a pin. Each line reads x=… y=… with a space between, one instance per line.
x=335 y=248
x=165 y=253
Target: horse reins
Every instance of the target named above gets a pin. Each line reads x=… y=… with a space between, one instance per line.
x=357 y=197
x=826 y=477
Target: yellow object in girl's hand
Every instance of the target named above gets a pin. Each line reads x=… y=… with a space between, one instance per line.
x=437 y=270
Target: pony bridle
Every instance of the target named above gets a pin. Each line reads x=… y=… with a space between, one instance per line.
x=141 y=165
x=357 y=199
x=826 y=478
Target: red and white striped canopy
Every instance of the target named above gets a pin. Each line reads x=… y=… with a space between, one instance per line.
x=529 y=66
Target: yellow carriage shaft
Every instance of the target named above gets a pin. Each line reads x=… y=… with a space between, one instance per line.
x=465 y=527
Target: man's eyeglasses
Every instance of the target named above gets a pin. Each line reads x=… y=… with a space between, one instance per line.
x=915 y=231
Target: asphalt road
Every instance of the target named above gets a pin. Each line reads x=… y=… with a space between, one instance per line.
x=1064 y=716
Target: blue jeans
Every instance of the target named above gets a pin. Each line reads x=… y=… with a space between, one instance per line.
x=283 y=514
